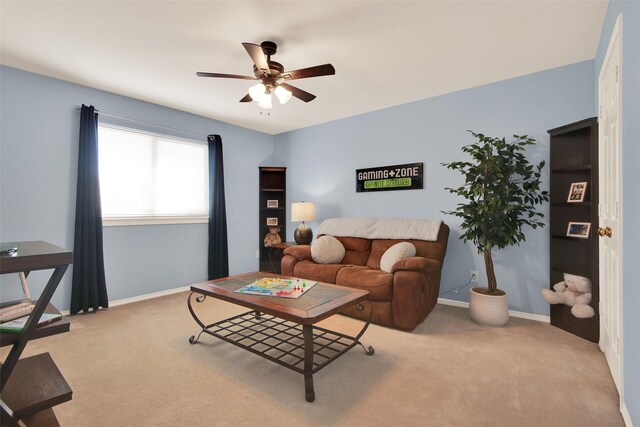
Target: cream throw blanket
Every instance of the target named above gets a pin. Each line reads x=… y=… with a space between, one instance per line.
x=381 y=228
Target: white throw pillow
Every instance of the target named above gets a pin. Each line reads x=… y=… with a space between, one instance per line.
x=395 y=253
x=327 y=250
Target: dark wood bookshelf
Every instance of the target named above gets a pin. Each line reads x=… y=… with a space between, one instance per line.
x=31 y=386
x=273 y=186
x=574 y=158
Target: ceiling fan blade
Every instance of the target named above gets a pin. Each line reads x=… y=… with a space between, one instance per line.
x=298 y=93
x=227 y=76
x=257 y=56
x=304 y=73
x=246 y=98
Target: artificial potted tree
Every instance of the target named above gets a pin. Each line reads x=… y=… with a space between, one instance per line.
x=501 y=190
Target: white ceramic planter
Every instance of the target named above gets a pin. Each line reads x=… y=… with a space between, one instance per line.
x=489 y=310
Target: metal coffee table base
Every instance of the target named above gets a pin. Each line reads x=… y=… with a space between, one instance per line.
x=302 y=348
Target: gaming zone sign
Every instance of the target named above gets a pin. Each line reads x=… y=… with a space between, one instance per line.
x=387 y=178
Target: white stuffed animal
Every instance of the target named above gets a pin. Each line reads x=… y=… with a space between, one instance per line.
x=574 y=291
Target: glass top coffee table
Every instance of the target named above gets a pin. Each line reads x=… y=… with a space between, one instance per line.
x=283 y=329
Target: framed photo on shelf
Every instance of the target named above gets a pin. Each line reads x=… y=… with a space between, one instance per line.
x=579 y=230
x=272 y=221
x=272 y=203
x=577 y=192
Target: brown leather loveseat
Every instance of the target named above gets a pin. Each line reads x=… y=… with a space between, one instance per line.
x=401 y=298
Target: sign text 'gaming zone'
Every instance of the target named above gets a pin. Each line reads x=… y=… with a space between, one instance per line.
x=386 y=178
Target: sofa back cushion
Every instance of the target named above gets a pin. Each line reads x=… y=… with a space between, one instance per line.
x=357 y=250
x=427 y=249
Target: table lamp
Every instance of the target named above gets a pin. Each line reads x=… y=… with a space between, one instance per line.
x=303 y=211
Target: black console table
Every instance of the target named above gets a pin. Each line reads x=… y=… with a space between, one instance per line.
x=31 y=386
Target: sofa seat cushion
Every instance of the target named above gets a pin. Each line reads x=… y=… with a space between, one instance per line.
x=321 y=272
x=377 y=282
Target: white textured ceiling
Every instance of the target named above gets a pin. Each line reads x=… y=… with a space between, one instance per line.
x=385 y=53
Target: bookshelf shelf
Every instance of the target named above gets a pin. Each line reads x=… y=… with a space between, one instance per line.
x=570 y=169
x=35 y=385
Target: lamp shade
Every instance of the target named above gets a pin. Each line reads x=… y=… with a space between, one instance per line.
x=283 y=95
x=303 y=211
x=265 y=102
x=257 y=92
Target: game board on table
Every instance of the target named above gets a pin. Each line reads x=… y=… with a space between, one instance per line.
x=277 y=287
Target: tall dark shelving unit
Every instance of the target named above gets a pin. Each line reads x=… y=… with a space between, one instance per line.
x=574 y=158
x=273 y=186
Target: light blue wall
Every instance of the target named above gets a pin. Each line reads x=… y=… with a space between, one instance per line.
x=38 y=161
x=630 y=80
x=322 y=160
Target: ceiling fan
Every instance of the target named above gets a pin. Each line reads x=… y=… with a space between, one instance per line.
x=271 y=73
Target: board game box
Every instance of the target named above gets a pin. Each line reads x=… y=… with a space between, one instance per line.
x=277 y=287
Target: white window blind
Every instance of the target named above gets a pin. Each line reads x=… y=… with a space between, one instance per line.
x=147 y=178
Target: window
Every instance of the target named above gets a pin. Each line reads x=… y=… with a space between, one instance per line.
x=147 y=178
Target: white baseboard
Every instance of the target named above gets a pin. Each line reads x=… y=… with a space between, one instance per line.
x=625 y=414
x=444 y=301
x=520 y=314
x=141 y=297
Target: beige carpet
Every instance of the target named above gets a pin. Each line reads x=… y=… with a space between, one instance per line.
x=132 y=365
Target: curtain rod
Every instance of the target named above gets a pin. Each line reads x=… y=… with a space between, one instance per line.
x=78 y=107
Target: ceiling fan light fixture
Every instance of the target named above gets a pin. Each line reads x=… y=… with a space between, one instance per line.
x=265 y=102
x=270 y=73
x=257 y=92
x=283 y=94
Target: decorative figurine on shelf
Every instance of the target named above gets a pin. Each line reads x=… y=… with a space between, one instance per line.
x=272 y=238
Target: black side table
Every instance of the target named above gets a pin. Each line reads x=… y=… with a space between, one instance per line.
x=276 y=252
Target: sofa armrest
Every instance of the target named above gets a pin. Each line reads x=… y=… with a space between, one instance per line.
x=416 y=283
x=416 y=263
x=299 y=252
x=292 y=255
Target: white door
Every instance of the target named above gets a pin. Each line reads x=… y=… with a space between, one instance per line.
x=609 y=207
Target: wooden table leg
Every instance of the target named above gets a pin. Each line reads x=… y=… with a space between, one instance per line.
x=307 y=332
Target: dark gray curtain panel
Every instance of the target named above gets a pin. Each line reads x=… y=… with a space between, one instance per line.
x=89 y=289
x=218 y=248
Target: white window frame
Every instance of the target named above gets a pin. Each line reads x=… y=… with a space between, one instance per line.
x=112 y=221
